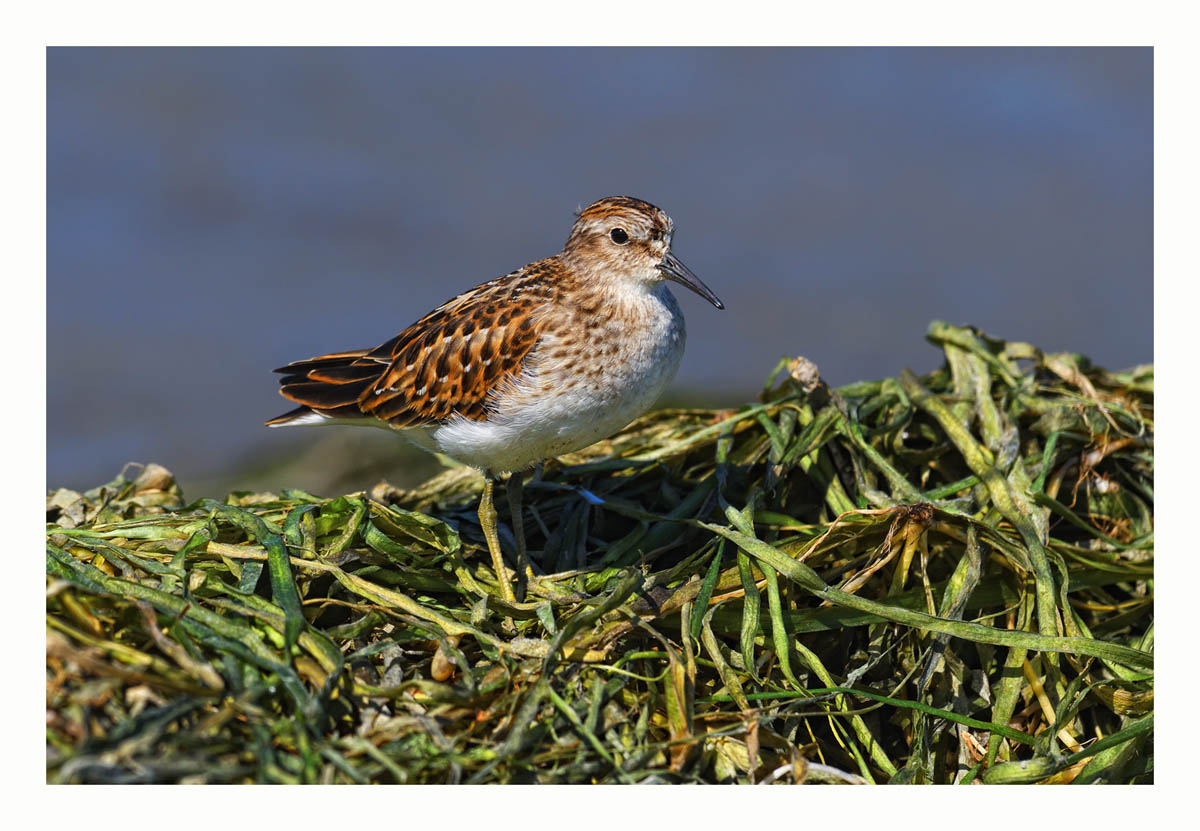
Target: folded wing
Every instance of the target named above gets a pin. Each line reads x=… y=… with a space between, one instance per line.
x=447 y=363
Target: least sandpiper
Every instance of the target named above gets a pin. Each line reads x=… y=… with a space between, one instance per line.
x=543 y=361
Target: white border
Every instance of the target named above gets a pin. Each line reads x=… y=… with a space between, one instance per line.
x=607 y=23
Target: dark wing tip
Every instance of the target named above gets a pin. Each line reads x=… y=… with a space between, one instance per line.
x=288 y=417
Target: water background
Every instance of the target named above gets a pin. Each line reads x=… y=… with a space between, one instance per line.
x=214 y=213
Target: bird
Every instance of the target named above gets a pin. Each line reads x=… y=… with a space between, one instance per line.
x=543 y=361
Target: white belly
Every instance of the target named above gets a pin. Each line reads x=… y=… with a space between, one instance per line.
x=562 y=404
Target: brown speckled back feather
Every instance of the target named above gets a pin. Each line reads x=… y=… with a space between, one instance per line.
x=448 y=362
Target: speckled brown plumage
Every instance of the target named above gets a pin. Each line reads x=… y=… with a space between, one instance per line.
x=446 y=363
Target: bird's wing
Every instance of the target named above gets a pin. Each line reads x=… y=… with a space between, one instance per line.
x=447 y=363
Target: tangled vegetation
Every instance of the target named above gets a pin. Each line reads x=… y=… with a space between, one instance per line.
x=944 y=578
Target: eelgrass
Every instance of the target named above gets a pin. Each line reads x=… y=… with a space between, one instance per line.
x=946 y=578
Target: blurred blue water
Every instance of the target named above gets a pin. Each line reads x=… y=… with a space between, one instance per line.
x=213 y=213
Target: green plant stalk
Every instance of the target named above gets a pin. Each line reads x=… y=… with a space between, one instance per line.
x=1011 y=506
x=808 y=579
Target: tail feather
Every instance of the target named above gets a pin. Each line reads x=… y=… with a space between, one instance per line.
x=322 y=396
x=327 y=387
x=345 y=374
x=332 y=359
x=300 y=415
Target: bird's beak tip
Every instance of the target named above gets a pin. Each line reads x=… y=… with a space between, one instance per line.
x=680 y=273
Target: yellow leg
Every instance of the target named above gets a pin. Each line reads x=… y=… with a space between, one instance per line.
x=487 y=518
x=516 y=484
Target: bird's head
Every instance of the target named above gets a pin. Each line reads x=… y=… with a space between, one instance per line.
x=628 y=239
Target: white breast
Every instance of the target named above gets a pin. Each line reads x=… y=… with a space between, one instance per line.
x=581 y=385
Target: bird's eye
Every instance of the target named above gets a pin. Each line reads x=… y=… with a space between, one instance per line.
x=619 y=236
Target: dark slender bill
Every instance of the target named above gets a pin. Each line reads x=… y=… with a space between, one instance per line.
x=680 y=273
